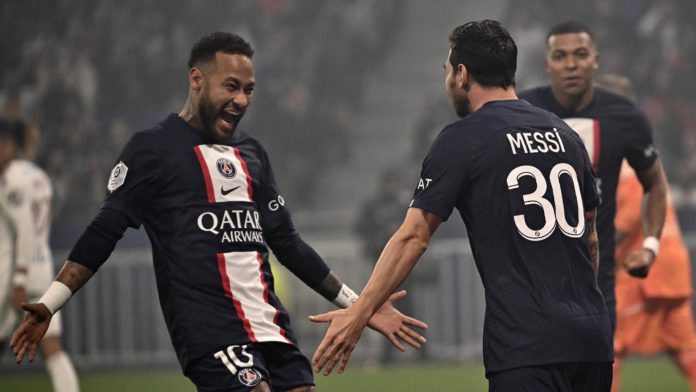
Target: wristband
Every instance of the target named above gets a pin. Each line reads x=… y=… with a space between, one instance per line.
x=56 y=296
x=345 y=297
x=19 y=279
x=652 y=243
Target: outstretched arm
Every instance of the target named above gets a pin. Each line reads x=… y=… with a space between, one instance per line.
x=653 y=213
x=397 y=260
x=307 y=265
x=27 y=336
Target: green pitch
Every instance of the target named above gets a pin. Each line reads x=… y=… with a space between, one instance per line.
x=640 y=375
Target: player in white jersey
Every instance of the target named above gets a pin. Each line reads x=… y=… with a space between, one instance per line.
x=25 y=256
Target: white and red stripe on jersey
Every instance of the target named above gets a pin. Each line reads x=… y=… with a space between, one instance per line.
x=244 y=283
x=588 y=129
x=226 y=174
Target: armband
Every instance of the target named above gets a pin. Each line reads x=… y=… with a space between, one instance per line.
x=345 y=297
x=56 y=296
x=652 y=243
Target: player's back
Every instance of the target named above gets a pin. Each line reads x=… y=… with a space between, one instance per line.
x=527 y=185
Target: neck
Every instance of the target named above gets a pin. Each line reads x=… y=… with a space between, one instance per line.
x=189 y=113
x=479 y=96
x=574 y=103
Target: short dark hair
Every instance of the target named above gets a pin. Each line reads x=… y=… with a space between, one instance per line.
x=487 y=51
x=569 y=27
x=204 y=50
x=14 y=130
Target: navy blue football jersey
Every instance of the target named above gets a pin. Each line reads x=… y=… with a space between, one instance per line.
x=613 y=129
x=522 y=182
x=205 y=207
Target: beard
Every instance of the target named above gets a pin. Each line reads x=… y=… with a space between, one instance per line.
x=462 y=106
x=208 y=114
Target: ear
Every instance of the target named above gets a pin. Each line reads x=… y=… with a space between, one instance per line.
x=462 y=76
x=596 y=61
x=195 y=79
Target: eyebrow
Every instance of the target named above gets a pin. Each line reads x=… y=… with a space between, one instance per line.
x=233 y=79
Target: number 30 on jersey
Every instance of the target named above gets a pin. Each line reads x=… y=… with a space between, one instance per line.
x=553 y=216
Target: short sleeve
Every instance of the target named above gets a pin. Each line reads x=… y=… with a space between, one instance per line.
x=442 y=176
x=640 y=152
x=134 y=179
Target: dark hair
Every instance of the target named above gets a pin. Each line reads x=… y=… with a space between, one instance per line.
x=569 y=27
x=13 y=130
x=487 y=51
x=206 y=47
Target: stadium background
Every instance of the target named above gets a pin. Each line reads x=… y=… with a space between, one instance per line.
x=349 y=94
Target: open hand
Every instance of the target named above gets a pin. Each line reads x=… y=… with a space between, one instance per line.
x=395 y=325
x=27 y=336
x=346 y=327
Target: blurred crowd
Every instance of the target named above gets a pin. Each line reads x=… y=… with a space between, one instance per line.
x=88 y=74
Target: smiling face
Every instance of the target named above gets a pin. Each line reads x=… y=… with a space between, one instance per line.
x=223 y=89
x=571 y=60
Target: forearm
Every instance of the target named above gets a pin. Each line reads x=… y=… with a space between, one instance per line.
x=654 y=210
x=654 y=205
x=302 y=260
x=74 y=275
x=395 y=263
x=592 y=238
x=70 y=278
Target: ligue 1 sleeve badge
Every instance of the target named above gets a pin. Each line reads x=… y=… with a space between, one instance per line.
x=118 y=176
x=249 y=377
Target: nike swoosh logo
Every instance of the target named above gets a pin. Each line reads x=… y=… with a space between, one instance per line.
x=226 y=192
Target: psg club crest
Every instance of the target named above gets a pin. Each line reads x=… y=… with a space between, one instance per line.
x=226 y=167
x=118 y=176
x=249 y=377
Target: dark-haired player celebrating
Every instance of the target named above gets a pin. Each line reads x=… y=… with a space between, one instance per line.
x=523 y=184
x=205 y=192
x=613 y=129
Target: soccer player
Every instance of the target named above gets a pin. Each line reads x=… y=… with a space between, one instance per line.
x=612 y=128
x=206 y=195
x=523 y=184
x=653 y=314
x=26 y=196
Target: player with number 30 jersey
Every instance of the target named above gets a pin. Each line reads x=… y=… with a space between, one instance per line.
x=522 y=181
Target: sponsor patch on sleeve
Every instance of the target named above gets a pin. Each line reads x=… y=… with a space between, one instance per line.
x=118 y=176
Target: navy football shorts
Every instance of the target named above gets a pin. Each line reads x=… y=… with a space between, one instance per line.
x=242 y=367
x=560 y=377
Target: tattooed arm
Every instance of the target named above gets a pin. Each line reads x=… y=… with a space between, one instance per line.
x=27 y=336
x=592 y=239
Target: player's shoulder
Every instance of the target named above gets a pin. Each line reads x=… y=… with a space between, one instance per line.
x=168 y=131
x=608 y=98
x=25 y=171
x=537 y=95
x=243 y=139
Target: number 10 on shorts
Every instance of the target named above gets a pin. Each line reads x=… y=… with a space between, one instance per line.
x=232 y=361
